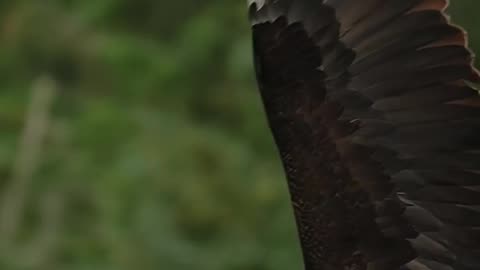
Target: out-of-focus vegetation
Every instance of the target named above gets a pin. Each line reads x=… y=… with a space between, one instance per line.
x=132 y=137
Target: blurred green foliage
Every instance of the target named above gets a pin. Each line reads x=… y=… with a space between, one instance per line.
x=157 y=154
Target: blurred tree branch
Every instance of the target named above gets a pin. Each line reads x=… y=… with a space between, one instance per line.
x=28 y=158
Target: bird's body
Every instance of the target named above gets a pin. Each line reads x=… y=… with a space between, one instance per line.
x=376 y=127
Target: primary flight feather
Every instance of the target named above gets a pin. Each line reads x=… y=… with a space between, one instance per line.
x=370 y=105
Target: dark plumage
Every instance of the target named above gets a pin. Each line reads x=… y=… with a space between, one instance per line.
x=377 y=128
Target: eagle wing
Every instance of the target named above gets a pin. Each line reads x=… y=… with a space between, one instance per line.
x=371 y=106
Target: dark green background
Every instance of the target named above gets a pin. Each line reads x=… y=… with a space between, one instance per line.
x=157 y=153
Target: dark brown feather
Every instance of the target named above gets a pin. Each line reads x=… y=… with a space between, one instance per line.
x=376 y=128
